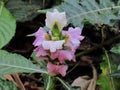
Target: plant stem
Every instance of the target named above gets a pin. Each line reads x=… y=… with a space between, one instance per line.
x=66 y=86
x=103 y=35
x=108 y=42
x=43 y=3
x=92 y=86
x=73 y=68
x=84 y=52
x=110 y=69
x=48 y=83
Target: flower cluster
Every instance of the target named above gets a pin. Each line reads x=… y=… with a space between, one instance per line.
x=57 y=44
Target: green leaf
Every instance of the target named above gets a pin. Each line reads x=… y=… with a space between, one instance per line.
x=90 y=11
x=43 y=11
x=108 y=67
x=7 y=85
x=48 y=82
x=116 y=49
x=116 y=74
x=119 y=67
x=14 y=63
x=24 y=10
x=7 y=25
x=104 y=79
x=4 y=1
x=41 y=63
x=115 y=58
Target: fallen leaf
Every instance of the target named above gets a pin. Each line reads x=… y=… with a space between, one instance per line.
x=85 y=82
x=82 y=82
x=10 y=78
x=18 y=81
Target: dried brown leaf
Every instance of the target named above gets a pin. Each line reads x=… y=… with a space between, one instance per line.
x=85 y=82
x=18 y=81
x=82 y=82
x=9 y=77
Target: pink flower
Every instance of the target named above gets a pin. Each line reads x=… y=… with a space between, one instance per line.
x=56 y=69
x=40 y=37
x=74 y=37
x=40 y=51
x=57 y=44
x=63 y=55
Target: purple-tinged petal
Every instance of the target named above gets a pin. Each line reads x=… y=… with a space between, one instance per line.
x=74 y=37
x=63 y=55
x=52 y=69
x=63 y=69
x=40 y=37
x=56 y=69
x=40 y=51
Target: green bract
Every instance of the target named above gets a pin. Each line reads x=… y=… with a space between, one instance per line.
x=56 y=32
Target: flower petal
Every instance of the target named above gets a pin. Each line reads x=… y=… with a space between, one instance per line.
x=56 y=69
x=56 y=17
x=40 y=37
x=40 y=51
x=53 y=45
x=63 y=55
x=74 y=37
x=63 y=69
x=52 y=69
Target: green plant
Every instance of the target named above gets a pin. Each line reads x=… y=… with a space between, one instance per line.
x=79 y=13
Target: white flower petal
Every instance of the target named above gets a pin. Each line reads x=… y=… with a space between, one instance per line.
x=46 y=45
x=52 y=48
x=59 y=44
x=53 y=45
x=49 y=20
x=56 y=17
